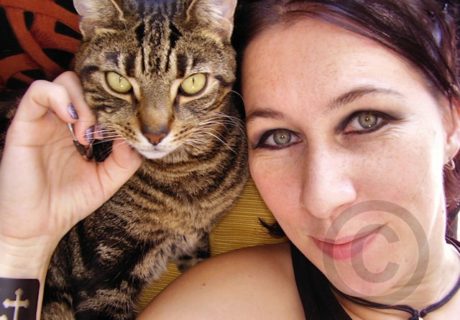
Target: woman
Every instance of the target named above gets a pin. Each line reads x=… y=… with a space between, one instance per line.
x=353 y=125
x=351 y=118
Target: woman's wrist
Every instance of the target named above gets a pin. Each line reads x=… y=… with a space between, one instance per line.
x=23 y=267
x=24 y=259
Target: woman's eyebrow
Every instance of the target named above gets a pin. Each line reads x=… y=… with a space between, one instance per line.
x=343 y=99
x=357 y=93
x=263 y=113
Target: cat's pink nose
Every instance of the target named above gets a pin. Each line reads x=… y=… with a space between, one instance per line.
x=155 y=138
x=155 y=135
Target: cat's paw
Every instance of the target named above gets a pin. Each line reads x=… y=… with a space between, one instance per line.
x=185 y=262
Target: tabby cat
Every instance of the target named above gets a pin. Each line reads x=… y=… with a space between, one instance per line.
x=158 y=74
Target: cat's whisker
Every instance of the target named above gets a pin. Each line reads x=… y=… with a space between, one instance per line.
x=207 y=127
x=226 y=119
x=96 y=142
x=108 y=137
x=106 y=152
x=221 y=140
x=226 y=116
x=104 y=133
x=237 y=122
x=111 y=135
x=239 y=95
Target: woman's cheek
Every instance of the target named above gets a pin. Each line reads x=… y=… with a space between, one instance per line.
x=278 y=180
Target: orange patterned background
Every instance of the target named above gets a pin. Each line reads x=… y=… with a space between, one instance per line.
x=37 y=40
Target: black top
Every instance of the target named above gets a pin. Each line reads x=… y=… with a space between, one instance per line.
x=319 y=303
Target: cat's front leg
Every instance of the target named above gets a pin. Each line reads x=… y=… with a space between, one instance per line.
x=200 y=251
x=57 y=311
x=96 y=315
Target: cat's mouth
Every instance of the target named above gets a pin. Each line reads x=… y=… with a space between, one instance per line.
x=154 y=152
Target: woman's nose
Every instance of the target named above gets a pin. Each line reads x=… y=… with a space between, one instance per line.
x=328 y=184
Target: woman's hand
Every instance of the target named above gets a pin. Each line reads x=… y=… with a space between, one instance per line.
x=46 y=186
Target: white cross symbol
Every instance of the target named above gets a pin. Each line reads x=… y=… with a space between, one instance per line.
x=16 y=304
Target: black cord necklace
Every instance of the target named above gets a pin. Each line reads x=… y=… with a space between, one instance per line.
x=415 y=314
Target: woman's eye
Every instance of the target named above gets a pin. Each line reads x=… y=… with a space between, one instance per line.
x=277 y=139
x=365 y=121
x=118 y=83
x=368 y=120
x=193 y=84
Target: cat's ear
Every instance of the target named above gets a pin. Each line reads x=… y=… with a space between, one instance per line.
x=216 y=14
x=97 y=15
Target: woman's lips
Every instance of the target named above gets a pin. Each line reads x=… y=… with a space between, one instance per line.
x=348 y=247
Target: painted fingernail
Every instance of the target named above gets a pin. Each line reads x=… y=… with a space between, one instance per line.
x=72 y=112
x=89 y=134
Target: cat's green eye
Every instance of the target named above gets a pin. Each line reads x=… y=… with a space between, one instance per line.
x=193 y=84
x=118 y=83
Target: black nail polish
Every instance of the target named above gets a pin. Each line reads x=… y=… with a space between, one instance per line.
x=72 y=112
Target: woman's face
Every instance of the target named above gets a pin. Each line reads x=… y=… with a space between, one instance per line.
x=335 y=122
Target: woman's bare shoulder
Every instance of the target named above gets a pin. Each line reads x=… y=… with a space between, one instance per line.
x=249 y=283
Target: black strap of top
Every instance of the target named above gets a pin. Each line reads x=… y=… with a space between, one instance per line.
x=318 y=301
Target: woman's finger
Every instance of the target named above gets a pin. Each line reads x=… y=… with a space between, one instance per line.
x=86 y=118
x=42 y=97
x=40 y=115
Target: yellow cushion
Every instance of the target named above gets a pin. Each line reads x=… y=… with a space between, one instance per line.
x=239 y=228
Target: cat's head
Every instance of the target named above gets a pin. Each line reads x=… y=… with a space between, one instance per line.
x=156 y=73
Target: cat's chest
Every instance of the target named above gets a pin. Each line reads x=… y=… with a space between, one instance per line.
x=155 y=201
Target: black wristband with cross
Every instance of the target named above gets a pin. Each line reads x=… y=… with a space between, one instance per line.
x=18 y=299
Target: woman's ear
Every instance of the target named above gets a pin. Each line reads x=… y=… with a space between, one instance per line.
x=452 y=125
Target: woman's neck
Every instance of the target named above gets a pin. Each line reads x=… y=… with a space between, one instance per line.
x=442 y=274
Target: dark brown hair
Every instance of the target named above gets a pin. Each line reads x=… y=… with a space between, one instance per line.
x=422 y=31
